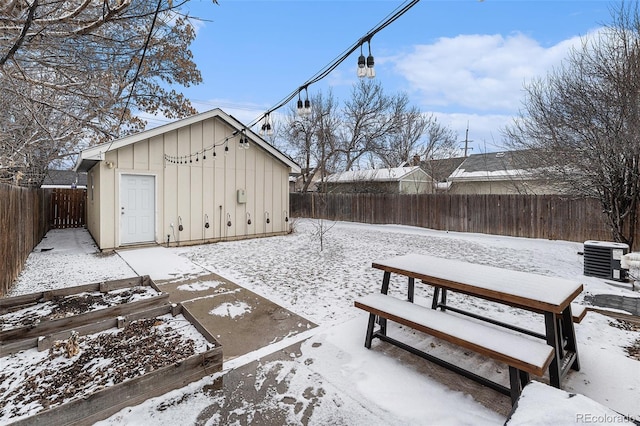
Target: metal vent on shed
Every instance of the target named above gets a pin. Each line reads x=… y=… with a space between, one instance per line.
x=602 y=260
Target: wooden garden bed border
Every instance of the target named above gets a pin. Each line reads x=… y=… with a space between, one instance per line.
x=11 y=338
x=106 y=402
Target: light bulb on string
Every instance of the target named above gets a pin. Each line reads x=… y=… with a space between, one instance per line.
x=300 y=109
x=267 y=128
x=371 y=72
x=307 y=104
x=362 y=71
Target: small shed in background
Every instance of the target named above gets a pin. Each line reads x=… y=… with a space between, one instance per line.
x=201 y=179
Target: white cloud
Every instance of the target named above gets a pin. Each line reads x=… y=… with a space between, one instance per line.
x=478 y=72
x=477 y=79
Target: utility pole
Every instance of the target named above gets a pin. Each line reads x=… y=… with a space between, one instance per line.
x=466 y=141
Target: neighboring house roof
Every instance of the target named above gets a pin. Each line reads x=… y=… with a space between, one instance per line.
x=489 y=166
x=375 y=175
x=64 y=179
x=440 y=170
x=90 y=156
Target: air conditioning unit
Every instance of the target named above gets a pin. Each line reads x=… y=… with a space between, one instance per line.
x=602 y=260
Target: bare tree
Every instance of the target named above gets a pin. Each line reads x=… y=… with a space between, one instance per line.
x=312 y=138
x=409 y=141
x=386 y=128
x=76 y=73
x=582 y=123
x=369 y=118
x=372 y=127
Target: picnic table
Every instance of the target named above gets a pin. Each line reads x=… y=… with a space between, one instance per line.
x=549 y=296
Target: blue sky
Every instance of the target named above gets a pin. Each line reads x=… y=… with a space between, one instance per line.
x=463 y=60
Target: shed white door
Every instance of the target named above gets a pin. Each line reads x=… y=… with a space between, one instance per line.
x=137 y=209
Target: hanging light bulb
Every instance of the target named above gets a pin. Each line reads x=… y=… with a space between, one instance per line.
x=267 y=128
x=244 y=141
x=307 y=104
x=300 y=109
x=371 y=72
x=362 y=71
x=307 y=107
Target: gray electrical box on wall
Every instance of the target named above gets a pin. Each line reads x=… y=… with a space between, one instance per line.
x=242 y=196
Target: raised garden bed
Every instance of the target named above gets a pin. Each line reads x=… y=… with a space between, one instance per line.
x=24 y=319
x=82 y=373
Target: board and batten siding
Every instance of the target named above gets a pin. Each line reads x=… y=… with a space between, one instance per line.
x=197 y=192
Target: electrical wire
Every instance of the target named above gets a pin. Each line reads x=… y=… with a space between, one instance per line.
x=393 y=16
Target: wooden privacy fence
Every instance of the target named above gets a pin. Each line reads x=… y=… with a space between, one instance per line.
x=24 y=220
x=68 y=208
x=532 y=216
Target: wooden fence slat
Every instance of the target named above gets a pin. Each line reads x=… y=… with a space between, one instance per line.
x=26 y=214
x=24 y=220
x=68 y=208
x=530 y=216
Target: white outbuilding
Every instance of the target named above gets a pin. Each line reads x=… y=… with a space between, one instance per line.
x=202 y=179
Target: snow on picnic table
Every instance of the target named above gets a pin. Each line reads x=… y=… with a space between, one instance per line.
x=322 y=285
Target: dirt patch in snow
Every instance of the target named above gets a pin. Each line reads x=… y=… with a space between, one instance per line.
x=632 y=350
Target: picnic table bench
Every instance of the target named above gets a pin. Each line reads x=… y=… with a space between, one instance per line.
x=531 y=353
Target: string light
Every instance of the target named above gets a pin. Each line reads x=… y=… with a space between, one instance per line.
x=304 y=107
x=362 y=71
x=371 y=72
x=243 y=143
x=267 y=127
x=367 y=63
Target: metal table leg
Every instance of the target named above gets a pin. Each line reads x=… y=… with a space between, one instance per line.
x=385 y=289
x=551 y=331
x=411 y=289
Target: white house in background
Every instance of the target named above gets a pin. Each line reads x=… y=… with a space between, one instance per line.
x=201 y=179
x=397 y=180
x=499 y=173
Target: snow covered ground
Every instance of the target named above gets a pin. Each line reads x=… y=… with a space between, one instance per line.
x=363 y=385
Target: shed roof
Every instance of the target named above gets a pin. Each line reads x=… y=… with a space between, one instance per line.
x=90 y=156
x=395 y=174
